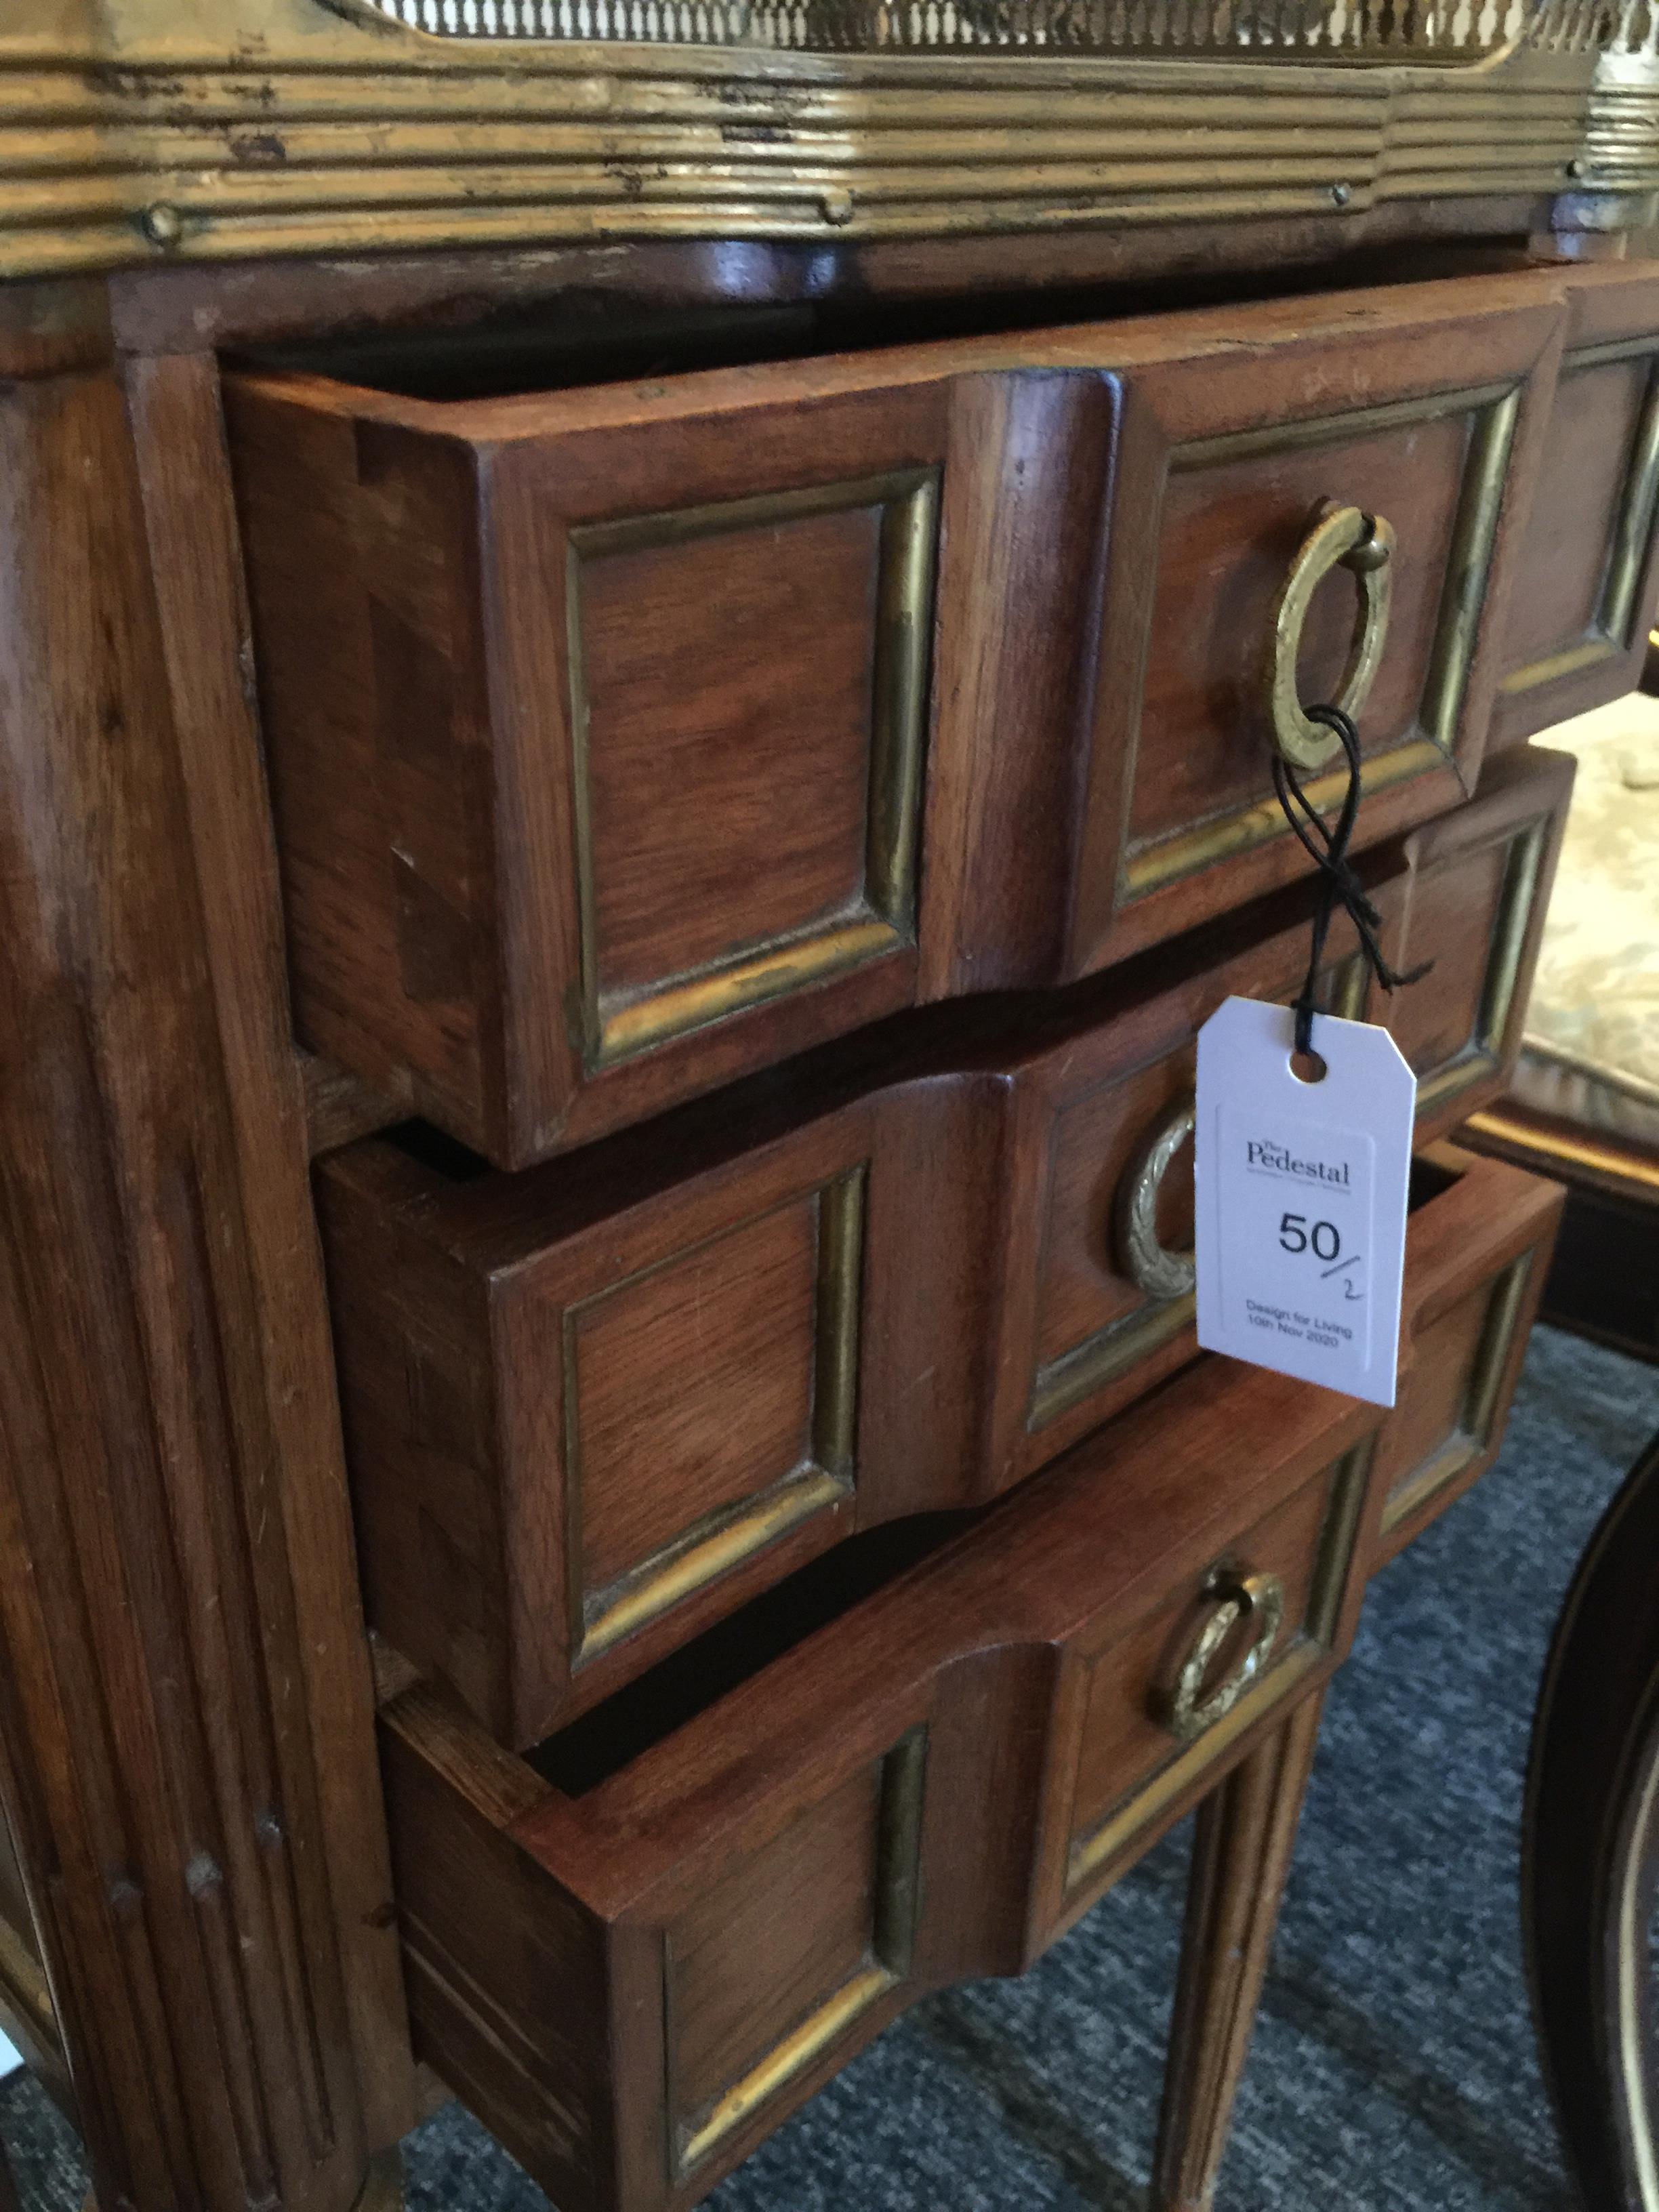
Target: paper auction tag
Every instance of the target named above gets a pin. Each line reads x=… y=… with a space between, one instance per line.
x=1301 y=1197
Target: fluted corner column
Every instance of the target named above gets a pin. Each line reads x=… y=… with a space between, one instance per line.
x=186 y=1732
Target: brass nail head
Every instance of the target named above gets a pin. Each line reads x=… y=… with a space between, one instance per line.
x=1366 y=559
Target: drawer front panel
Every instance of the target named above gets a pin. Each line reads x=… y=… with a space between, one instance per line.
x=1109 y=1123
x=1587 y=576
x=591 y=1408
x=1417 y=414
x=736 y=1364
x=676 y=674
x=658 y=1408
x=1479 y=1274
x=753 y=1896
x=1480 y=888
x=626 y=741
x=1234 y=511
x=904 y=1302
x=748 y=688
x=1131 y=1763
x=772 y=1963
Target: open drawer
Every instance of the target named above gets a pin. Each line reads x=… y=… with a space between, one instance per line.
x=1480 y=882
x=594 y=1405
x=633 y=1951
x=1480 y=1248
x=627 y=739
x=1583 y=597
x=591 y=1407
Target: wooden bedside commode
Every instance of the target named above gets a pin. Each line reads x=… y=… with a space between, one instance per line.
x=641 y=666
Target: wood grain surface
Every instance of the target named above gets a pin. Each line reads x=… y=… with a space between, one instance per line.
x=1572 y=639
x=616 y=1382
x=186 y=1722
x=593 y=1406
x=648 y=732
x=644 y=1967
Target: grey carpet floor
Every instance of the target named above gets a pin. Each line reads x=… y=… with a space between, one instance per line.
x=1392 y=2069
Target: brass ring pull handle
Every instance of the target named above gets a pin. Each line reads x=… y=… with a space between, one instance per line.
x=1159 y=1272
x=1258 y=1601
x=1342 y=537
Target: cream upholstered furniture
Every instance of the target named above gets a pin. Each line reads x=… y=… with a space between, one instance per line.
x=1584 y=1104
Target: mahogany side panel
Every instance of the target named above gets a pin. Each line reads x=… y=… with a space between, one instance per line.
x=191 y=526
x=188 y=1769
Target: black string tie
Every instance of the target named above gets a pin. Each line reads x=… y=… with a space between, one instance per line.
x=1328 y=850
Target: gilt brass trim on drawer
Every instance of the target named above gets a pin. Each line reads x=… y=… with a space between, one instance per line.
x=1473 y=1435
x=1468 y=563
x=792 y=2056
x=1609 y=633
x=1211 y=842
x=1485 y=1049
x=1305 y=1651
x=1119 y=1829
x=881 y=921
x=1101 y=1358
x=896 y=1905
x=1527 y=1137
x=718 y=1541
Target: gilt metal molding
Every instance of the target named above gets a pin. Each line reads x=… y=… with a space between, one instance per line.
x=881 y=918
x=718 y=1541
x=894 y=1898
x=1304 y=1649
x=145 y=131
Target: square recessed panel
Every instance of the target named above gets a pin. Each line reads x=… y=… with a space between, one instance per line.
x=1590 y=520
x=1232 y=528
x=1083 y=1287
x=1131 y=1767
x=1439 y=1016
x=1458 y=1021
x=1093 y=1319
x=701 y=1371
x=1123 y=1742
x=1236 y=509
x=778 y=1956
x=1431 y=1418
x=708 y=1407
x=1446 y=1418
x=785 y=1930
x=748 y=686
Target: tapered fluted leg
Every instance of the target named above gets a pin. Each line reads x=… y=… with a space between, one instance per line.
x=1241 y=1849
